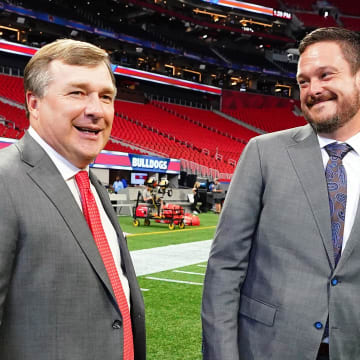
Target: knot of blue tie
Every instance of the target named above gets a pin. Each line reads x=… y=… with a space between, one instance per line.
x=338 y=151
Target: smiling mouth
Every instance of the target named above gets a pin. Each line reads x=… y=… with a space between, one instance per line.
x=319 y=100
x=87 y=130
x=316 y=103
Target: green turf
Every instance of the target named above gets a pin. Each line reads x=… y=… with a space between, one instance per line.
x=155 y=235
x=173 y=315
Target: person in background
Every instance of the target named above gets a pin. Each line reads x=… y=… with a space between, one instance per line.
x=147 y=194
x=195 y=192
x=218 y=195
x=211 y=186
x=118 y=184
x=125 y=184
x=283 y=276
x=68 y=289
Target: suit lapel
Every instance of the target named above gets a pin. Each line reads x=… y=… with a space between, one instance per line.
x=306 y=157
x=47 y=177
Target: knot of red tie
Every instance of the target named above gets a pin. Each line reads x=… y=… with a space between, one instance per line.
x=82 y=179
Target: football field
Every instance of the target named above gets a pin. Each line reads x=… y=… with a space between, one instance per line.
x=171 y=265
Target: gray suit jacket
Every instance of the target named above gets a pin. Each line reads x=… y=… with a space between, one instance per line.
x=56 y=301
x=268 y=286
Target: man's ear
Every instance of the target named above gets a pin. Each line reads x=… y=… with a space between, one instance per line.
x=357 y=79
x=33 y=104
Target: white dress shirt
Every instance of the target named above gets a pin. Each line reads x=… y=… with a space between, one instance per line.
x=351 y=162
x=68 y=172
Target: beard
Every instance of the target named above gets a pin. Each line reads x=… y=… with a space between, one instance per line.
x=346 y=110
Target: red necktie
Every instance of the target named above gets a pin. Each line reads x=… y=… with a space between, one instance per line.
x=92 y=216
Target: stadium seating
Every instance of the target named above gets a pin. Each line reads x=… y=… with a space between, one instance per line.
x=267 y=3
x=352 y=23
x=11 y=133
x=268 y=113
x=299 y=4
x=346 y=7
x=268 y=119
x=116 y=146
x=12 y=87
x=151 y=140
x=151 y=133
x=2 y=130
x=315 y=20
x=180 y=129
x=209 y=119
x=198 y=137
x=14 y=115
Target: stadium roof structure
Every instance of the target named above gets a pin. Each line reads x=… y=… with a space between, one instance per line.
x=222 y=43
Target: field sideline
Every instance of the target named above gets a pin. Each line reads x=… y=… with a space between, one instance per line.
x=172 y=297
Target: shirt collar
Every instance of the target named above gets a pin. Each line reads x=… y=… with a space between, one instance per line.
x=65 y=167
x=354 y=142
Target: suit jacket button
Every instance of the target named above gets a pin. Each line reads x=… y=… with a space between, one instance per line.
x=318 y=325
x=334 y=281
x=116 y=324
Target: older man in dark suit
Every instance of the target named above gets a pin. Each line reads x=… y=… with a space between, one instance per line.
x=68 y=289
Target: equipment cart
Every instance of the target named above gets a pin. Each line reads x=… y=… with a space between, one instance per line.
x=170 y=214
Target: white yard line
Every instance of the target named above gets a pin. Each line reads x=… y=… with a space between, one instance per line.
x=172 y=280
x=150 y=261
x=188 y=272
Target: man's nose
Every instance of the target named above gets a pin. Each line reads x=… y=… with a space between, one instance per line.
x=315 y=88
x=94 y=107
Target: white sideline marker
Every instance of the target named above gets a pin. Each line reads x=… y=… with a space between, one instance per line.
x=188 y=272
x=144 y=289
x=175 y=281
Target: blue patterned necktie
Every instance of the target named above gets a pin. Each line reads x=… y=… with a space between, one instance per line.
x=336 y=180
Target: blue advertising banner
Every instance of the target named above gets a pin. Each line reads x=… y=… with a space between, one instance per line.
x=149 y=163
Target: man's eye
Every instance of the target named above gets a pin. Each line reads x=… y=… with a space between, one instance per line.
x=107 y=98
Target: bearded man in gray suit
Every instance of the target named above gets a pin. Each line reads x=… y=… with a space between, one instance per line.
x=58 y=300
x=283 y=277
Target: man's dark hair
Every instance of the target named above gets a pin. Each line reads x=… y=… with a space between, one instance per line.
x=349 y=42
